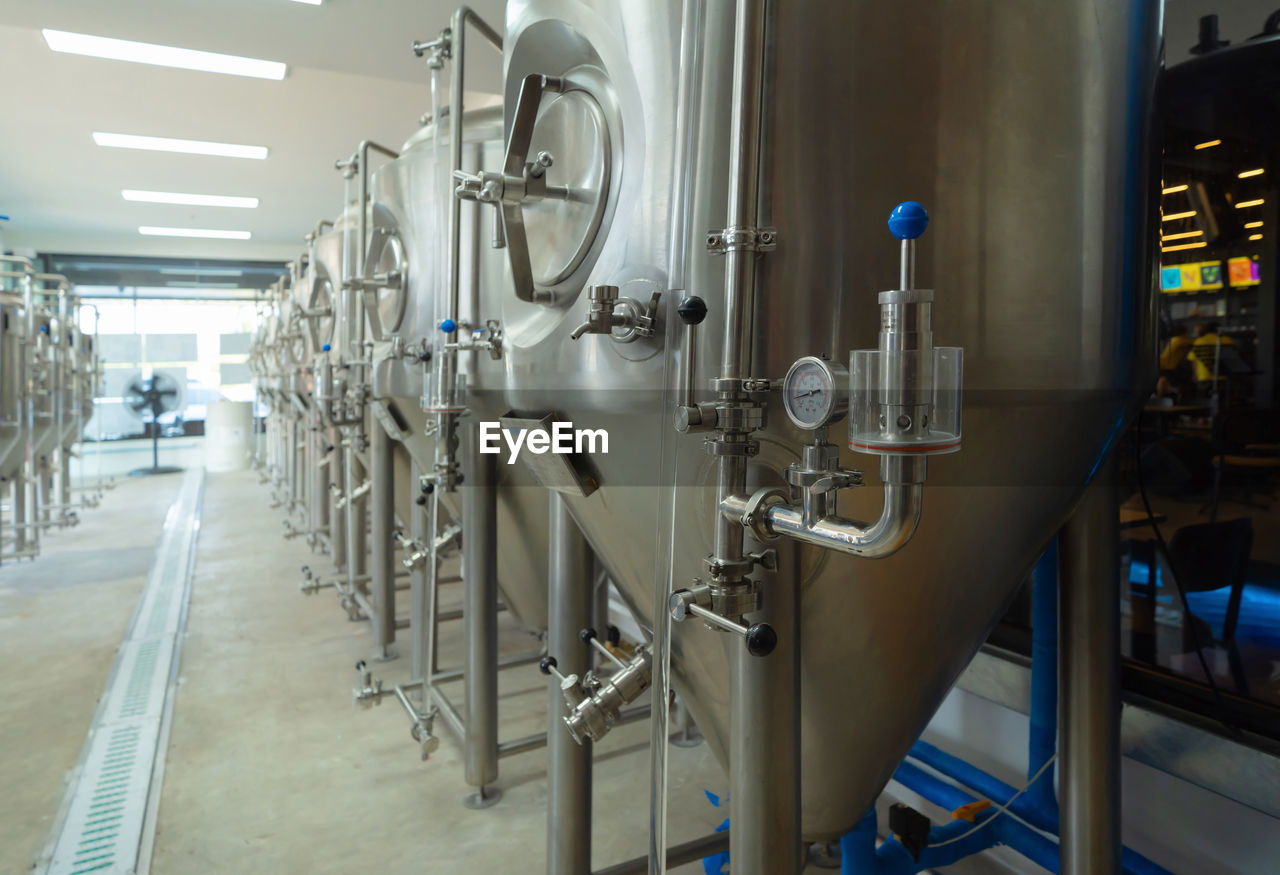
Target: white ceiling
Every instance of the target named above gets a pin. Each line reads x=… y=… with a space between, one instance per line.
x=351 y=76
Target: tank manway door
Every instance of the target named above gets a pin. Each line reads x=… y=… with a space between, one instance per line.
x=553 y=190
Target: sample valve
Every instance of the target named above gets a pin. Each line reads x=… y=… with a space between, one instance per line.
x=624 y=319
x=596 y=702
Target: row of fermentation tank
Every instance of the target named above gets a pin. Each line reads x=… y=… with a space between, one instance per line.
x=49 y=376
x=671 y=231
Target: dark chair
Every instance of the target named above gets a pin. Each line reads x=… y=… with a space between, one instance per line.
x=1209 y=556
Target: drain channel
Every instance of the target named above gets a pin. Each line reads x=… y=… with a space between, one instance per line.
x=112 y=798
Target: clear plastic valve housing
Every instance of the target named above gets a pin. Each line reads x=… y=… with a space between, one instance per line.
x=899 y=404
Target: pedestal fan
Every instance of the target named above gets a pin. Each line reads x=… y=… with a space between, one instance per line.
x=156 y=395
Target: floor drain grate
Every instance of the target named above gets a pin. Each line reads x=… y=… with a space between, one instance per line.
x=110 y=803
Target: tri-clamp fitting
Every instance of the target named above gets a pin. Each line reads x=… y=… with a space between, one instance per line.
x=624 y=319
x=595 y=702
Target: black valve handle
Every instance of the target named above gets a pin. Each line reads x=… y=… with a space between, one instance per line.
x=761 y=639
x=692 y=310
x=547 y=663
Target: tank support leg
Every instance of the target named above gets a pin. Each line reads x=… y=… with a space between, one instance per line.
x=764 y=756
x=480 y=613
x=1089 y=633
x=568 y=763
x=382 y=521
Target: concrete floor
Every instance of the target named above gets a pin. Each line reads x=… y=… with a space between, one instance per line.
x=62 y=617
x=270 y=767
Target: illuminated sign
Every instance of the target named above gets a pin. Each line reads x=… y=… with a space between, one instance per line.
x=1242 y=271
x=1199 y=276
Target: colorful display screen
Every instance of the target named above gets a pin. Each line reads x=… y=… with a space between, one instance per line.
x=1199 y=276
x=1242 y=271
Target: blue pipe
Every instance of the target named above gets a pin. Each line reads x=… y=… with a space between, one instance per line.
x=1042 y=740
x=860 y=856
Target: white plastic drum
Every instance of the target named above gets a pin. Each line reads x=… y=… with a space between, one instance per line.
x=228 y=429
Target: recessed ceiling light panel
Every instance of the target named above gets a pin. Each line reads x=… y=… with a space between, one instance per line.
x=161 y=56
x=151 y=231
x=192 y=200
x=169 y=144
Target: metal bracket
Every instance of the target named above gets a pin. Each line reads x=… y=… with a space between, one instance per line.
x=740 y=237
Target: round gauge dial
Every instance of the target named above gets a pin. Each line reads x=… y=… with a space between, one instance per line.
x=815 y=392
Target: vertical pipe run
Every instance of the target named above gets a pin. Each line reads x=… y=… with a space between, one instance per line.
x=337 y=515
x=419 y=617
x=480 y=613
x=382 y=520
x=764 y=777
x=568 y=763
x=1090 y=676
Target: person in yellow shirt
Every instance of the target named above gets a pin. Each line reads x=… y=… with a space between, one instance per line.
x=1204 y=351
x=1172 y=362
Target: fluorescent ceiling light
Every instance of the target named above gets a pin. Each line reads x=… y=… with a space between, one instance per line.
x=1208 y=144
x=161 y=56
x=1174 y=189
x=190 y=147
x=1253 y=224
x=188 y=284
x=1173 y=217
x=1245 y=174
x=1184 y=235
x=309 y=2
x=201 y=271
x=151 y=231
x=1254 y=203
x=1199 y=245
x=1255 y=236
x=194 y=200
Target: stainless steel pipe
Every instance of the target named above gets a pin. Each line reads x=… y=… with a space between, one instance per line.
x=382 y=569
x=337 y=515
x=1089 y=635
x=355 y=510
x=568 y=763
x=480 y=613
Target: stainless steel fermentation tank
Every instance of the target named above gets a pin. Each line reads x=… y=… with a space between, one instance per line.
x=1023 y=127
x=409 y=226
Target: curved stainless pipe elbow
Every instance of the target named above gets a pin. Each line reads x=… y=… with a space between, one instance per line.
x=899 y=517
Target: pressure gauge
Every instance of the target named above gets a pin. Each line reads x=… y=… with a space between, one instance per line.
x=815 y=392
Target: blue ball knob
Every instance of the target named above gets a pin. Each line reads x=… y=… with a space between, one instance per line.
x=908 y=220
x=326 y=347
x=448 y=326
x=44 y=329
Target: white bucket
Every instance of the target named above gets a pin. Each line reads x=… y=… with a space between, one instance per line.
x=228 y=430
